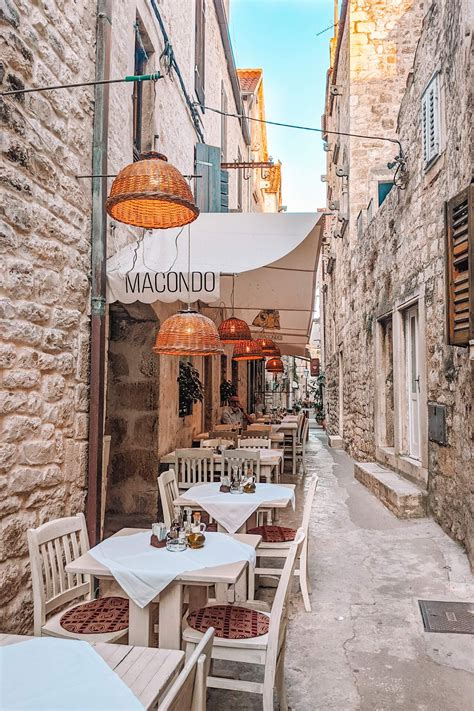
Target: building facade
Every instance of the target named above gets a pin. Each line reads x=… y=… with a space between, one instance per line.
x=46 y=235
x=398 y=290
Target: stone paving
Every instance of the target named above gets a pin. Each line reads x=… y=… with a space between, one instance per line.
x=363 y=647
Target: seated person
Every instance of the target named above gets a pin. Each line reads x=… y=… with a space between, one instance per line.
x=235 y=413
x=259 y=408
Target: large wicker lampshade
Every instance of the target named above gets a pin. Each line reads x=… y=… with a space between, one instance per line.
x=151 y=193
x=234 y=329
x=275 y=365
x=188 y=333
x=268 y=347
x=247 y=350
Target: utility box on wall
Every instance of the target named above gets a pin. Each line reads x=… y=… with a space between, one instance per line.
x=437 y=423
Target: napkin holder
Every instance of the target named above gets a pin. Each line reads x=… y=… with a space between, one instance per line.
x=156 y=543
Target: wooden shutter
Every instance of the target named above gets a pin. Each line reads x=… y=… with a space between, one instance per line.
x=208 y=186
x=460 y=267
x=430 y=121
x=224 y=191
x=199 y=49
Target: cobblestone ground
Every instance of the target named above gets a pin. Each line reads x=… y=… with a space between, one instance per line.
x=363 y=646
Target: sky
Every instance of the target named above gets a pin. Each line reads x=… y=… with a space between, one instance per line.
x=280 y=37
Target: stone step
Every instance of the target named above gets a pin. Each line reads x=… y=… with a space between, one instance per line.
x=401 y=497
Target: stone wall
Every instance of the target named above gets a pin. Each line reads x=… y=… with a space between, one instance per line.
x=400 y=256
x=44 y=243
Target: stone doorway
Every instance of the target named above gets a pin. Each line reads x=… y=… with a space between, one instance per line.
x=132 y=416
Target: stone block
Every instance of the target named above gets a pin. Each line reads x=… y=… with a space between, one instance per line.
x=55 y=340
x=11 y=402
x=17 y=427
x=8 y=356
x=21 y=379
x=8 y=453
x=38 y=452
x=53 y=387
x=138 y=396
x=65 y=318
x=81 y=426
x=400 y=496
x=21 y=331
x=81 y=398
x=145 y=429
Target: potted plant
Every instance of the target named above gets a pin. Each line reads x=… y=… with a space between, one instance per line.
x=227 y=390
x=191 y=389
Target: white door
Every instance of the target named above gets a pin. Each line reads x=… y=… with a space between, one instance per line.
x=413 y=381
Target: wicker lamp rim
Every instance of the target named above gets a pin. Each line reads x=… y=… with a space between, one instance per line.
x=247 y=349
x=188 y=332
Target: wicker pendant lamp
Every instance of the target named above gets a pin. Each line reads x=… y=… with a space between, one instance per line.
x=151 y=193
x=268 y=347
x=275 y=365
x=247 y=350
x=188 y=333
x=233 y=329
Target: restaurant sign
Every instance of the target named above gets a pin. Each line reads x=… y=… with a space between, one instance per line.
x=149 y=286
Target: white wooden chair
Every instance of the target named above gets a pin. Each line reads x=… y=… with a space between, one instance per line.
x=51 y=547
x=188 y=692
x=275 y=546
x=228 y=435
x=301 y=446
x=267 y=650
x=168 y=488
x=228 y=427
x=194 y=466
x=259 y=427
x=239 y=458
x=254 y=443
x=217 y=442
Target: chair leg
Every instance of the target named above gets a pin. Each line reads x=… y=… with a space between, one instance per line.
x=304 y=578
x=280 y=683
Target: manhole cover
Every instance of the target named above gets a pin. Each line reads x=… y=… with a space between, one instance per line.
x=440 y=616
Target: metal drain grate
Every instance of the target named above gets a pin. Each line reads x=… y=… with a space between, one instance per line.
x=454 y=617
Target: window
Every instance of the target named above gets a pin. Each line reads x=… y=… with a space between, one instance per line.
x=141 y=59
x=384 y=188
x=430 y=115
x=199 y=49
x=223 y=124
x=460 y=268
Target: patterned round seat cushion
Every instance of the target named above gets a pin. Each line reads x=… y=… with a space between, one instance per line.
x=107 y=614
x=274 y=534
x=229 y=621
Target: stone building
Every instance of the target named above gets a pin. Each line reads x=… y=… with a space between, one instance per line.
x=398 y=304
x=46 y=234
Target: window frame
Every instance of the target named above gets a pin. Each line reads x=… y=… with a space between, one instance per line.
x=431 y=113
x=200 y=50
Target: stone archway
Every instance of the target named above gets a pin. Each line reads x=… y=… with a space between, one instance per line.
x=132 y=416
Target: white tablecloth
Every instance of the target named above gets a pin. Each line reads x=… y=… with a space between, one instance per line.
x=58 y=675
x=233 y=510
x=144 y=571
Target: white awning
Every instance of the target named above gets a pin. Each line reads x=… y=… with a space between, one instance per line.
x=274 y=254
x=286 y=285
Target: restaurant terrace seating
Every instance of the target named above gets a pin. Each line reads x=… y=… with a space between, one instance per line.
x=51 y=547
x=217 y=442
x=239 y=458
x=242 y=636
x=189 y=689
x=254 y=443
x=224 y=434
x=276 y=543
x=194 y=466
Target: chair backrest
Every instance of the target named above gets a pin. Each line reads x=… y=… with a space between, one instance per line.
x=300 y=421
x=305 y=430
x=168 y=488
x=254 y=443
x=217 y=442
x=238 y=458
x=51 y=547
x=188 y=693
x=229 y=427
x=260 y=427
x=262 y=434
x=279 y=612
x=224 y=434
x=194 y=466
x=308 y=503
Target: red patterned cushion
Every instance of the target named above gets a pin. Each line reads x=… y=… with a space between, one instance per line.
x=229 y=622
x=107 y=614
x=274 y=534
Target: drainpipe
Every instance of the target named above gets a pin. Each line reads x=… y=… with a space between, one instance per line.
x=98 y=269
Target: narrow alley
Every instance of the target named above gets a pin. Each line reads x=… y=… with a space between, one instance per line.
x=363 y=647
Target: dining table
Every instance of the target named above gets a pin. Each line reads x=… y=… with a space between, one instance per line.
x=271 y=461
x=276 y=438
x=236 y=513
x=146 y=672
x=170 y=598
